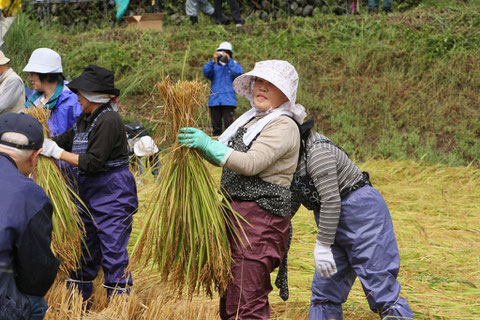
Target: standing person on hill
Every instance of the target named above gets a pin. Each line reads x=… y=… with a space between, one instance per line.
x=12 y=90
x=97 y=146
x=222 y=71
x=28 y=267
x=259 y=154
x=373 y=6
x=46 y=77
x=355 y=232
x=234 y=9
x=192 y=6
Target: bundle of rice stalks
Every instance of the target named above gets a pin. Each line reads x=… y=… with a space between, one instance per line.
x=185 y=229
x=68 y=228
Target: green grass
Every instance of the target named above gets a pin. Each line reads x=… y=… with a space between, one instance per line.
x=400 y=86
x=434 y=209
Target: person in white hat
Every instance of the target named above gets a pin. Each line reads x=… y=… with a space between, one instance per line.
x=12 y=90
x=259 y=154
x=221 y=70
x=46 y=77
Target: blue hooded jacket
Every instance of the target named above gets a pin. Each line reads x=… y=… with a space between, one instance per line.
x=221 y=90
x=65 y=109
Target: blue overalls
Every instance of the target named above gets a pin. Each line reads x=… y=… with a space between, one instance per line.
x=111 y=198
x=365 y=246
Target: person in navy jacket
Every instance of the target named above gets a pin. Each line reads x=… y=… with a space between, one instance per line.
x=28 y=267
x=221 y=71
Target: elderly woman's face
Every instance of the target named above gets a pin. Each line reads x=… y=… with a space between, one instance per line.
x=87 y=106
x=35 y=81
x=266 y=96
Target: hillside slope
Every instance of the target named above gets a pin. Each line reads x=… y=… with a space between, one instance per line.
x=403 y=86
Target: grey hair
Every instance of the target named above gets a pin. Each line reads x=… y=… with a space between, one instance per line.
x=17 y=138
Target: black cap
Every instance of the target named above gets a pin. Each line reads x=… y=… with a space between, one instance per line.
x=24 y=124
x=95 y=79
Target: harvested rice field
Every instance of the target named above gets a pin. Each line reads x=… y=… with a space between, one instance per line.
x=435 y=211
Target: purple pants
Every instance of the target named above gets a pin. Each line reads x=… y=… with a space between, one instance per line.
x=111 y=198
x=365 y=247
x=268 y=236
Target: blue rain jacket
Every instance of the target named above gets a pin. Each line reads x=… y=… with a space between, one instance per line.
x=221 y=90
x=27 y=264
x=65 y=110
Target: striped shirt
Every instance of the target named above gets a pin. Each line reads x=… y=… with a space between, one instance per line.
x=332 y=171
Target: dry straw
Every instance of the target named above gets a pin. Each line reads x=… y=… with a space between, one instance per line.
x=185 y=228
x=68 y=228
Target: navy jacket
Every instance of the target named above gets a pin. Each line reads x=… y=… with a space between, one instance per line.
x=27 y=264
x=221 y=90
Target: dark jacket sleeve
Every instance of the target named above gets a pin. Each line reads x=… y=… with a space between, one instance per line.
x=35 y=265
x=107 y=141
x=65 y=140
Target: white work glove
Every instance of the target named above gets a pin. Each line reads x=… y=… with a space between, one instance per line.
x=51 y=149
x=324 y=262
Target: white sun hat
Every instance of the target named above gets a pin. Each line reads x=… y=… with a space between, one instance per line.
x=145 y=146
x=44 y=60
x=225 y=46
x=3 y=60
x=279 y=73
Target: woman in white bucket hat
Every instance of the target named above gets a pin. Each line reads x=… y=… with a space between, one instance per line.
x=46 y=77
x=259 y=153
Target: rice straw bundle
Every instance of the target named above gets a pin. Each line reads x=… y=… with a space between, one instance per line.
x=185 y=229
x=68 y=228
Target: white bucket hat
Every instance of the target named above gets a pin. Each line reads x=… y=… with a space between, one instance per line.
x=145 y=146
x=44 y=60
x=225 y=46
x=279 y=73
x=3 y=60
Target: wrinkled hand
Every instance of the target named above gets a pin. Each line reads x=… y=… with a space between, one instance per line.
x=51 y=149
x=212 y=149
x=324 y=262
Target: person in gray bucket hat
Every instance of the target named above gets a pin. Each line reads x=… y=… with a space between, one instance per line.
x=259 y=154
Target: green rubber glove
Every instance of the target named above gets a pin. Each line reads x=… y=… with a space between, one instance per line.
x=214 y=150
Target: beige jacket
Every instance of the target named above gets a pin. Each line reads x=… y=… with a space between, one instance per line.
x=273 y=155
x=12 y=92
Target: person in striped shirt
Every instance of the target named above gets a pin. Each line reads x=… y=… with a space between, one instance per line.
x=355 y=232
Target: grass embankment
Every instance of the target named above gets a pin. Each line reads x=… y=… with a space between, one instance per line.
x=435 y=214
x=400 y=86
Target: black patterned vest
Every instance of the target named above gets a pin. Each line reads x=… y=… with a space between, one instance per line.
x=269 y=196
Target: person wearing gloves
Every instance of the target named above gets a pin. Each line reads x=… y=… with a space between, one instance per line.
x=46 y=77
x=259 y=154
x=221 y=70
x=355 y=232
x=28 y=267
x=97 y=146
x=12 y=90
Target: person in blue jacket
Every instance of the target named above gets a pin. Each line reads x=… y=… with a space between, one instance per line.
x=45 y=72
x=221 y=71
x=50 y=91
x=28 y=267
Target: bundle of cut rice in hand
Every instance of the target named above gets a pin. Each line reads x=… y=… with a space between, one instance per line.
x=186 y=223
x=68 y=228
